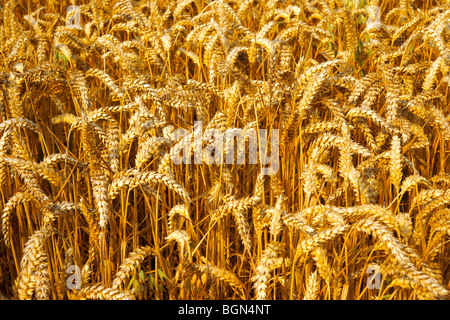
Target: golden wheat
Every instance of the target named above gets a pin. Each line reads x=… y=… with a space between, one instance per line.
x=91 y=103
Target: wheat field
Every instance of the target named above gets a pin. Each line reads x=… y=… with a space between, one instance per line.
x=93 y=205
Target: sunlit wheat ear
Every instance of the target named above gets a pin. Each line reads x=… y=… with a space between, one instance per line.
x=107 y=80
x=355 y=213
x=407 y=283
x=42 y=291
x=31 y=182
x=370 y=115
x=20 y=123
x=299 y=220
x=94 y=230
x=182 y=238
x=86 y=273
x=304 y=247
x=310 y=181
x=150 y=147
x=113 y=146
x=258 y=192
x=276 y=223
x=100 y=192
x=319 y=255
x=16 y=199
x=88 y=139
x=412 y=182
x=394 y=268
x=130 y=266
x=361 y=86
x=55 y=158
x=5 y=143
x=100 y=292
x=32 y=266
x=217 y=273
x=133 y=178
x=44 y=171
x=230 y=203
x=319 y=127
x=243 y=228
x=226 y=176
x=431 y=199
x=311 y=91
x=397 y=249
x=165 y=164
x=77 y=81
x=441 y=179
x=431 y=74
x=312 y=287
x=395 y=165
x=392 y=94
x=263 y=271
x=407 y=26
x=442 y=199
x=15 y=101
x=180 y=210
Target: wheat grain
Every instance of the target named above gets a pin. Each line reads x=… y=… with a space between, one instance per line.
x=100 y=292
x=262 y=276
x=130 y=265
x=312 y=287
